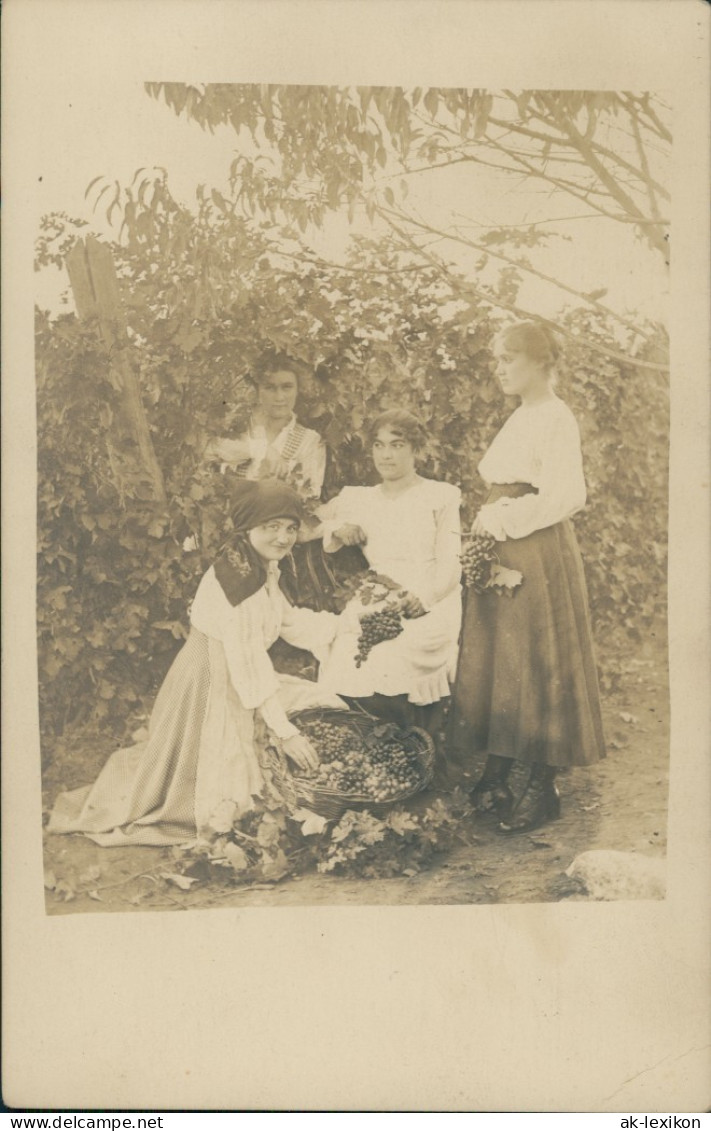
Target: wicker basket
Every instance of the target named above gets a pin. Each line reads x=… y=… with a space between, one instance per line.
x=331 y=803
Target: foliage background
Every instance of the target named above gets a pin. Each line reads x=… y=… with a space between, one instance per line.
x=205 y=293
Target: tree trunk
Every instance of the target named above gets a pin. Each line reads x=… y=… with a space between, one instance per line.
x=96 y=295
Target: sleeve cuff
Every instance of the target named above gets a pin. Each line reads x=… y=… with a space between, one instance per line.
x=490 y=519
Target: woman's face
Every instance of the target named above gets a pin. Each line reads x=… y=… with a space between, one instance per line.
x=393 y=456
x=518 y=373
x=277 y=395
x=274 y=539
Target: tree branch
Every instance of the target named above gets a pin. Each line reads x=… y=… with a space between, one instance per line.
x=486 y=250
x=465 y=288
x=611 y=183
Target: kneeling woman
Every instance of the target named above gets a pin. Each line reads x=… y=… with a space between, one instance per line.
x=409 y=530
x=527 y=687
x=203 y=736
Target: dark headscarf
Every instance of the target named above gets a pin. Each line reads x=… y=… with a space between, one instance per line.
x=238 y=567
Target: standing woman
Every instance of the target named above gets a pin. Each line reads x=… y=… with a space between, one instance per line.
x=274 y=443
x=526 y=686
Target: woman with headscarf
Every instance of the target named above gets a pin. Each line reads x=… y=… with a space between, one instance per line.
x=219 y=695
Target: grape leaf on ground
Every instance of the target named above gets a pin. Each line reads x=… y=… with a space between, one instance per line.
x=182 y=882
x=311 y=823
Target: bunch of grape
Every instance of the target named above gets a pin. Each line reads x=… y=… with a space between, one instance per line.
x=477 y=558
x=384 y=623
x=382 y=770
x=333 y=742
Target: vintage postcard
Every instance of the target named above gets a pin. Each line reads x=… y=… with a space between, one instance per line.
x=356 y=544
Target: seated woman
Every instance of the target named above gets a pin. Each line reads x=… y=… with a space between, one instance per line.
x=408 y=529
x=274 y=443
x=221 y=691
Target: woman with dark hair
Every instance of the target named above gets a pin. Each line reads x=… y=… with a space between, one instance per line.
x=408 y=530
x=275 y=443
x=208 y=723
x=527 y=688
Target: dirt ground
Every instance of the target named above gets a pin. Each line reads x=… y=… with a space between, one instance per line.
x=619 y=804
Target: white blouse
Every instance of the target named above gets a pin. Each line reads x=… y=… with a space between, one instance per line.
x=249 y=629
x=414 y=538
x=539 y=444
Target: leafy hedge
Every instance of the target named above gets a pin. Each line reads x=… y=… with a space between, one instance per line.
x=205 y=296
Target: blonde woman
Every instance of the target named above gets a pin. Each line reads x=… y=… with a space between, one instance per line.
x=527 y=688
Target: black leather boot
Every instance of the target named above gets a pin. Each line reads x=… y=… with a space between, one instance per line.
x=491 y=794
x=538 y=804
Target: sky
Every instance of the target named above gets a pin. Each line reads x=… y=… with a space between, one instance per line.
x=115 y=129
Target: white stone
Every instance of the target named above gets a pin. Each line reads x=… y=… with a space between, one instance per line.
x=608 y=874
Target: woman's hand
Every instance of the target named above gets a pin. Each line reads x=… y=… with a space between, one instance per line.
x=411 y=606
x=350 y=535
x=478 y=527
x=301 y=752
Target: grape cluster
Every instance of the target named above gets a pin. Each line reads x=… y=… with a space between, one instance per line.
x=384 y=623
x=380 y=768
x=477 y=558
x=332 y=742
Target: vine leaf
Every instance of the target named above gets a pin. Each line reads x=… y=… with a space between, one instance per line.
x=182 y=882
x=237 y=857
x=503 y=577
x=311 y=823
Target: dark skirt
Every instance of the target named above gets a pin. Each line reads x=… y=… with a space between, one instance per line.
x=527 y=683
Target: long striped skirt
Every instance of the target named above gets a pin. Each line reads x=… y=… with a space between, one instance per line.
x=526 y=685
x=203 y=750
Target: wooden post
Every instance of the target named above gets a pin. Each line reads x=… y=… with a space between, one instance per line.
x=92 y=275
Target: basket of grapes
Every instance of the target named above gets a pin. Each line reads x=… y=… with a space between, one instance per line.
x=364 y=762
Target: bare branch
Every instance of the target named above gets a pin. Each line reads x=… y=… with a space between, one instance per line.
x=486 y=250
x=469 y=289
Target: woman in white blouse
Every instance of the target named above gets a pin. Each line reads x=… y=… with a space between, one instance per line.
x=527 y=686
x=408 y=528
x=274 y=443
x=208 y=724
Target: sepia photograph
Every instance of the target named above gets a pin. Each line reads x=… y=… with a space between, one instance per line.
x=356 y=568
x=352 y=502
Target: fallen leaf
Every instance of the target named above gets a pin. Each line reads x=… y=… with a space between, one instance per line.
x=311 y=823
x=95 y=895
x=182 y=882
x=237 y=857
x=223 y=817
x=276 y=867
